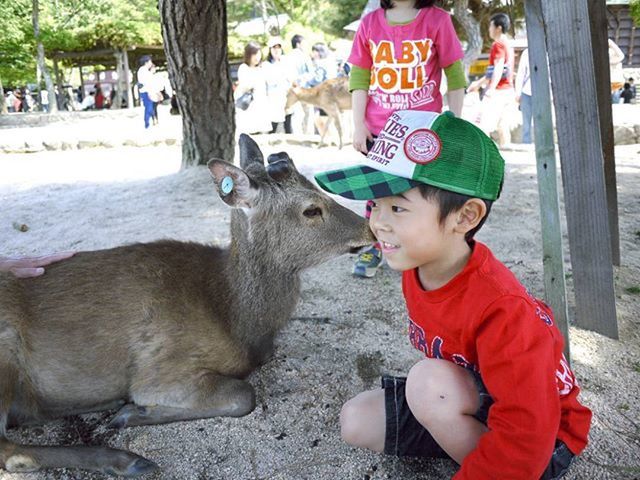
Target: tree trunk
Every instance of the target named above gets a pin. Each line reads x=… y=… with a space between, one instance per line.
x=3 y=103
x=195 y=42
x=472 y=28
x=53 y=104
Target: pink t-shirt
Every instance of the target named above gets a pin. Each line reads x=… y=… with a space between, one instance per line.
x=406 y=62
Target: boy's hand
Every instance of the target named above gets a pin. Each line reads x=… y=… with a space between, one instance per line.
x=30 y=266
x=360 y=136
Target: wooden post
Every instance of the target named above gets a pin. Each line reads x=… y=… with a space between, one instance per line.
x=552 y=256
x=572 y=73
x=127 y=79
x=598 y=18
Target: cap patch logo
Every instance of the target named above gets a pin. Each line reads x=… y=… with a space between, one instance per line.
x=422 y=146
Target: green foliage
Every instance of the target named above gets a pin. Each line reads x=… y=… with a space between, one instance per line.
x=634 y=9
x=17 y=52
x=71 y=25
x=321 y=16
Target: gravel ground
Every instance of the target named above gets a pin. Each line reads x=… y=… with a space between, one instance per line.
x=344 y=333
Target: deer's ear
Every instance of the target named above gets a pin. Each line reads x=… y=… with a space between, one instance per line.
x=233 y=185
x=249 y=151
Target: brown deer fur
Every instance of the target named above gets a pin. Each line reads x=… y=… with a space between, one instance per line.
x=167 y=331
x=331 y=95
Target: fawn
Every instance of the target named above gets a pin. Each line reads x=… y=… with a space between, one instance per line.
x=331 y=95
x=166 y=331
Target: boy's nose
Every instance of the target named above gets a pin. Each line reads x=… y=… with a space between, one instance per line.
x=377 y=222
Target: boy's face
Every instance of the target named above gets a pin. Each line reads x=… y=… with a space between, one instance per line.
x=494 y=32
x=409 y=230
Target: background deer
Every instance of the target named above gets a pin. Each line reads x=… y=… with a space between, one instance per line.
x=331 y=95
x=166 y=331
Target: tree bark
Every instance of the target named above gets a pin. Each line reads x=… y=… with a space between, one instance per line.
x=472 y=28
x=195 y=43
x=3 y=103
x=53 y=103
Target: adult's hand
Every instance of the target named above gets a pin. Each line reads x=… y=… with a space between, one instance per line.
x=31 y=266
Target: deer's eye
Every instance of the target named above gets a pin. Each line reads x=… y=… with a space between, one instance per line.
x=312 y=212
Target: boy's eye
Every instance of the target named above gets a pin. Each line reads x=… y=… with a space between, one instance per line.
x=397 y=209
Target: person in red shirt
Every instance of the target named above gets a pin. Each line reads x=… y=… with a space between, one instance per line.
x=494 y=391
x=499 y=93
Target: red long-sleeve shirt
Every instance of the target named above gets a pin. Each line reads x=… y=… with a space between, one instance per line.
x=485 y=320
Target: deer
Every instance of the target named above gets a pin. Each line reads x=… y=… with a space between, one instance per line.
x=332 y=96
x=165 y=331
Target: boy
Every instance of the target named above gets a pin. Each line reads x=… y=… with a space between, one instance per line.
x=498 y=80
x=494 y=392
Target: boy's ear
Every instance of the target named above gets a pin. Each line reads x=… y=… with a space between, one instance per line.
x=233 y=185
x=470 y=215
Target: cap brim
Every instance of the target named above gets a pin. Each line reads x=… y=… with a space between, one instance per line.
x=363 y=183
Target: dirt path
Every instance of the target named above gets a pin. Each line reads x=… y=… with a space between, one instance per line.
x=345 y=331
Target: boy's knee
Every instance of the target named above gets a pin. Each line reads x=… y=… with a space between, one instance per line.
x=438 y=388
x=362 y=421
x=351 y=423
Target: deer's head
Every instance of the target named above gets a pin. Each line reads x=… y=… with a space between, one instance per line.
x=281 y=214
x=292 y=97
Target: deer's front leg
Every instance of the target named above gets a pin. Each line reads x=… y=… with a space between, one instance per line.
x=211 y=395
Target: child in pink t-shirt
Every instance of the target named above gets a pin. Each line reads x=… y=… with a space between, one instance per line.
x=398 y=56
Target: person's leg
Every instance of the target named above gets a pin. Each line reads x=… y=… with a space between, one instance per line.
x=287 y=123
x=362 y=420
x=148 y=108
x=381 y=420
x=526 y=108
x=444 y=398
x=489 y=114
x=274 y=127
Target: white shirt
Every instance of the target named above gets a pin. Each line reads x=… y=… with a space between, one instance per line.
x=87 y=102
x=523 y=77
x=145 y=77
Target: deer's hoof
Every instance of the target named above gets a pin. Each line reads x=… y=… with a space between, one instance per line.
x=127 y=416
x=138 y=466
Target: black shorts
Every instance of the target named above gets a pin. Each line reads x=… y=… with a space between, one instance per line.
x=406 y=437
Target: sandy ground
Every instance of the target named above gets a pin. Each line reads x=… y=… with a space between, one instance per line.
x=344 y=334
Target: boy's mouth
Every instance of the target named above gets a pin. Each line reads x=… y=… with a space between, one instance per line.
x=388 y=247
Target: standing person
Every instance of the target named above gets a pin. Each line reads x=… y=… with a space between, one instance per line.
x=398 y=55
x=99 y=97
x=145 y=82
x=298 y=60
x=155 y=94
x=251 y=78
x=615 y=69
x=88 y=102
x=44 y=100
x=633 y=86
x=499 y=93
x=627 y=93
x=300 y=66
x=27 y=100
x=494 y=391
x=17 y=103
x=278 y=85
x=523 y=95
x=11 y=101
x=323 y=68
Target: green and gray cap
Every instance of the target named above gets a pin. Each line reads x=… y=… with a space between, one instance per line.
x=422 y=147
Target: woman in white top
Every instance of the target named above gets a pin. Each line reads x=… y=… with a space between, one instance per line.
x=278 y=84
x=251 y=78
